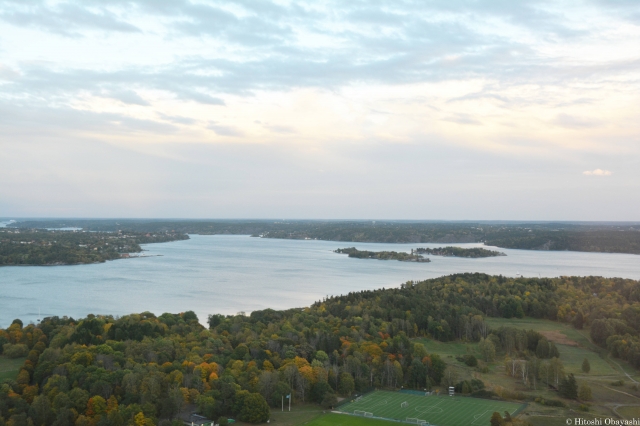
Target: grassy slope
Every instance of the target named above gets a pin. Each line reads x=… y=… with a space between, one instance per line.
x=9 y=368
x=603 y=372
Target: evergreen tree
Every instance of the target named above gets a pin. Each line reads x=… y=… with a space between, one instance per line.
x=586 y=367
x=569 y=387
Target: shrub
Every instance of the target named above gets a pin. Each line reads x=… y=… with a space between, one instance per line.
x=483 y=393
x=470 y=360
x=550 y=402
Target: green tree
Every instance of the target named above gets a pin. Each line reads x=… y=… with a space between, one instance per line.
x=329 y=401
x=254 y=409
x=569 y=387
x=319 y=390
x=40 y=411
x=65 y=417
x=347 y=384
x=586 y=367
x=496 y=419
x=488 y=350
x=542 y=350
x=207 y=406
x=584 y=392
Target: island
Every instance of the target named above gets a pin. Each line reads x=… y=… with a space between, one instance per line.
x=383 y=255
x=42 y=247
x=475 y=252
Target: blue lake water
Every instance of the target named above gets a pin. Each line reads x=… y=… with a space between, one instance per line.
x=229 y=274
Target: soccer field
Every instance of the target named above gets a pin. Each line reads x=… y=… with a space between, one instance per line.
x=436 y=410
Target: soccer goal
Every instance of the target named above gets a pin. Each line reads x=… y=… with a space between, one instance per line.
x=358 y=399
x=362 y=413
x=414 y=420
x=404 y=404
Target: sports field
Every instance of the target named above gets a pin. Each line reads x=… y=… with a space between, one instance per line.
x=436 y=410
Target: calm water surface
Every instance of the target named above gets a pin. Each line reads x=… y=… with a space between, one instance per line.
x=229 y=274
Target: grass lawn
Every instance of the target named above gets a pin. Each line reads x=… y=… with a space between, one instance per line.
x=573 y=356
x=299 y=415
x=333 y=419
x=438 y=410
x=9 y=368
x=629 y=412
x=445 y=349
x=551 y=421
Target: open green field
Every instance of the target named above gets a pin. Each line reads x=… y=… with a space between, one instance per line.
x=445 y=349
x=570 y=354
x=542 y=325
x=437 y=410
x=9 y=368
x=573 y=356
x=332 y=419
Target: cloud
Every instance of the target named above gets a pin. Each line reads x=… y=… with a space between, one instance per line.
x=7 y=73
x=176 y=119
x=221 y=130
x=597 y=172
x=128 y=97
x=571 y=122
x=66 y=18
x=463 y=119
x=280 y=129
x=202 y=98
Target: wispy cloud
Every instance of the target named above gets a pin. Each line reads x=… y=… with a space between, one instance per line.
x=572 y=122
x=597 y=172
x=223 y=130
x=365 y=90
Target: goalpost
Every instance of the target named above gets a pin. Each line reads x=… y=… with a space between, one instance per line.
x=362 y=413
x=404 y=404
x=414 y=420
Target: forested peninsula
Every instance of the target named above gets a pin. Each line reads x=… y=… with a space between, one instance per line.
x=590 y=237
x=475 y=252
x=42 y=247
x=145 y=369
x=382 y=255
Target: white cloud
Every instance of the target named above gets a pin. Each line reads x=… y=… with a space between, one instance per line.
x=383 y=96
x=597 y=172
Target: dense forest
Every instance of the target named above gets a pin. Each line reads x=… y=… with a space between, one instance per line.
x=591 y=237
x=144 y=369
x=475 y=252
x=50 y=247
x=382 y=255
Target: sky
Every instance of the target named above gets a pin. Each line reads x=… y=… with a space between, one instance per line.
x=442 y=109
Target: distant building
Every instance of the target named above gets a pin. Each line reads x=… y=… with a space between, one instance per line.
x=194 y=419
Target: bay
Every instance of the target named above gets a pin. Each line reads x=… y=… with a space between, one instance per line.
x=228 y=274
